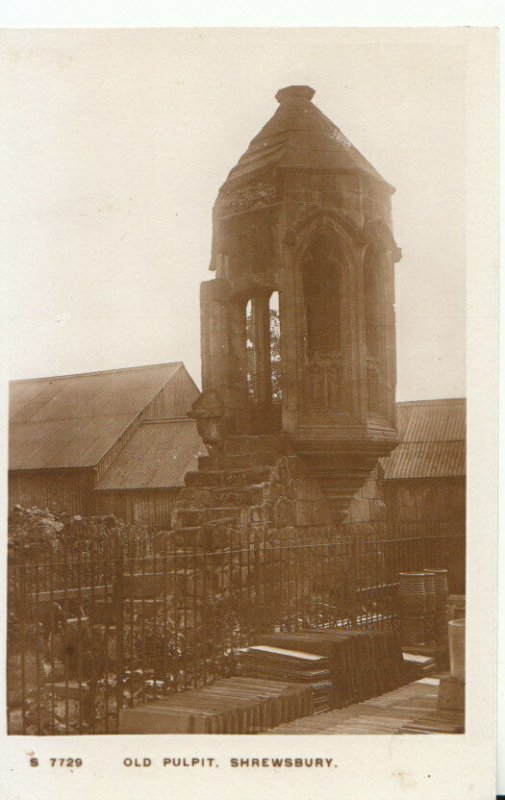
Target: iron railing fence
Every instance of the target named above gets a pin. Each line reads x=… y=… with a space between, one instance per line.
x=102 y=623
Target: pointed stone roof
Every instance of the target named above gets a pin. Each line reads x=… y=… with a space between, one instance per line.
x=300 y=135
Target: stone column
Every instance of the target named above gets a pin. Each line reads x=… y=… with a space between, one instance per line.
x=221 y=367
x=238 y=350
x=261 y=340
x=214 y=333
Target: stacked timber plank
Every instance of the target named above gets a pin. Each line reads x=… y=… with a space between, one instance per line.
x=283 y=663
x=418 y=666
x=408 y=710
x=361 y=664
x=277 y=663
x=230 y=705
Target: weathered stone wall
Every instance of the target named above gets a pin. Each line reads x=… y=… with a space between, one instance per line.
x=368 y=504
x=252 y=551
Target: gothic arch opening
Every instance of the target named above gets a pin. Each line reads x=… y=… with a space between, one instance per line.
x=372 y=304
x=322 y=295
x=322 y=276
x=275 y=347
x=250 y=351
x=264 y=380
x=263 y=332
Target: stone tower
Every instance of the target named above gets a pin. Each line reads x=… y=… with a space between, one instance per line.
x=303 y=217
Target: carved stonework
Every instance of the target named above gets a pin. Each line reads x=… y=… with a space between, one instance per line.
x=372 y=384
x=250 y=196
x=290 y=239
x=378 y=233
x=337 y=136
x=303 y=234
x=208 y=410
x=324 y=383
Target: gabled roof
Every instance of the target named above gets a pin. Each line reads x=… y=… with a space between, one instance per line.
x=432 y=440
x=157 y=457
x=73 y=420
x=300 y=135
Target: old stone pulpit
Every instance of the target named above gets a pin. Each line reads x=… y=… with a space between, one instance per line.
x=298 y=324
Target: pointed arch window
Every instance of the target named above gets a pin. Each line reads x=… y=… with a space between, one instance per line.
x=371 y=304
x=372 y=301
x=275 y=347
x=322 y=291
x=250 y=354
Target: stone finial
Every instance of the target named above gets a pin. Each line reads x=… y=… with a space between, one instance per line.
x=295 y=93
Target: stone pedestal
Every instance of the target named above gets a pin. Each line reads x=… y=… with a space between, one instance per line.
x=451 y=694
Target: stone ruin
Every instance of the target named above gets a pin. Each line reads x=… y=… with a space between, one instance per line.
x=294 y=424
x=302 y=232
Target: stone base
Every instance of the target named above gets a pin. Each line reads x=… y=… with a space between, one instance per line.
x=451 y=694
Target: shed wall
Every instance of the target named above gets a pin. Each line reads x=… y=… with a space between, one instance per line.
x=425 y=499
x=174 y=400
x=142 y=507
x=56 y=489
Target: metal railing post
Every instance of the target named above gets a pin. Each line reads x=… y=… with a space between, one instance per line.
x=118 y=601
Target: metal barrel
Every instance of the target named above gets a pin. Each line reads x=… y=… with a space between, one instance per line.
x=412 y=594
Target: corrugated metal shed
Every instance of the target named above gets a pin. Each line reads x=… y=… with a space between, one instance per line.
x=73 y=420
x=432 y=420
x=433 y=440
x=158 y=456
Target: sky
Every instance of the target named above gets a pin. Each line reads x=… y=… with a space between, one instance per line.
x=117 y=142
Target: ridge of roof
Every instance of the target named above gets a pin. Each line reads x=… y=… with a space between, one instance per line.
x=432 y=402
x=98 y=372
x=164 y=420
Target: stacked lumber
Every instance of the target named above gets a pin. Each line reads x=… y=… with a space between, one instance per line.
x=411 y=709
x=322 y=694
x=334 y=648
x=418 y=666
x=230 y=705
x=279 y=663
x=361 y=664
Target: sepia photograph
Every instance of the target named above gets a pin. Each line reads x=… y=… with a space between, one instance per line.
x=237 y=365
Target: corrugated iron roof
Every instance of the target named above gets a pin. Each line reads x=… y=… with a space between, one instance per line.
x=158 y=456
x=73 y=420
x=426 y=460
x=432 y=420
x=432 y=440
